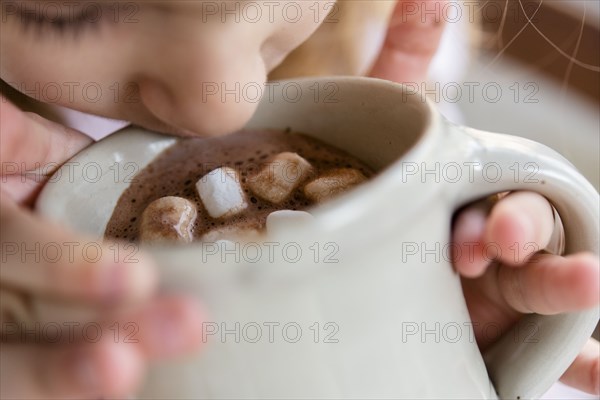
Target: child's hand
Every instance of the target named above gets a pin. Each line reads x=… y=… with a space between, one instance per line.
x=522 y=280
x=111 y=291
x=501 y=293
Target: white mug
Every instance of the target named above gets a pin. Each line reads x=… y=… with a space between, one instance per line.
x=362 y=301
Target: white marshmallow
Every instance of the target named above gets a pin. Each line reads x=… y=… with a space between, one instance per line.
x=221 y=192
x=169 y=218
x=333 y=183
x=284 y=220
x=280 y=177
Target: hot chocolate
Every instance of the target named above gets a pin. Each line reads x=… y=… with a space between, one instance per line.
x=216 y=188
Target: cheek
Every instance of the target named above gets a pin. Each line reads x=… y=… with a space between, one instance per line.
x=195 y=77
x=292 y=28
x=73 y=73
x=208 y=89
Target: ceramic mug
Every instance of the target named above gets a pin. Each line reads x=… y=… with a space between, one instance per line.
x=363 y=300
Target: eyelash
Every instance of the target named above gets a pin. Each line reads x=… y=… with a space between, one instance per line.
x=75 y=23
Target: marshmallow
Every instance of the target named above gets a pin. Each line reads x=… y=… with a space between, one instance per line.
x=168 y=219
x=333 y=183
x=284 y=220
x=280 y=177
x=221 y=193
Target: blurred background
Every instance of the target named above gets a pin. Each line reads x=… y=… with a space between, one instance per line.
x=533 y=70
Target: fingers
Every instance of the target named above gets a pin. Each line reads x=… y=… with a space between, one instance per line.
x=165 y=326
x=106 y=361
x=584 y=373
x=521 y=224
x=517 y=227
x=102 y=370
x=469 y=227
x=42 y=258
x=169 y=326
x=412 y=39
x=550 y=284
x=28 y=138
x=32 y=143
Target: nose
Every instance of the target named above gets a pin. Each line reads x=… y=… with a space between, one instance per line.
x=206 y=84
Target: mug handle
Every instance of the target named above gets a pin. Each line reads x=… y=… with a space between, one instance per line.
x=524 y=368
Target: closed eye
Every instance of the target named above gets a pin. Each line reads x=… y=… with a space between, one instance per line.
x=65 y=17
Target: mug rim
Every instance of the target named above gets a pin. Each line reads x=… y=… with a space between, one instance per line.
x=334 y=213
x=337 y=212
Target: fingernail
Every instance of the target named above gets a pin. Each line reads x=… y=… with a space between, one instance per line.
x=468 y=233
x=472 y=225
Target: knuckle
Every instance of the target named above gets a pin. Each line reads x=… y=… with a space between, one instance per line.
x=546 y=295
x=512 y=290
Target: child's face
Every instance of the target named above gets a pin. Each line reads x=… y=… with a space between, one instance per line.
x=197 y=63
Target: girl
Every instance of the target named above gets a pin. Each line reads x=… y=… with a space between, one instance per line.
x=146 y=63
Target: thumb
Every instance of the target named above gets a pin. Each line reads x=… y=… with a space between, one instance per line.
x=31 y=148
